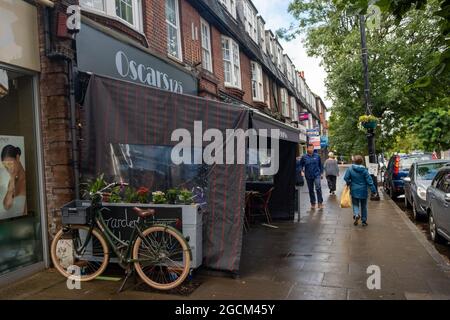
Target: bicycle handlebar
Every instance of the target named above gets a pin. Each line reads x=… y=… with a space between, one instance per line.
x=109 y=186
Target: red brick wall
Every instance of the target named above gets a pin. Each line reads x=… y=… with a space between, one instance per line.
x=191 y=46
x=217 y=57
x=246 y=78
x=55 y=128
x=154 y=23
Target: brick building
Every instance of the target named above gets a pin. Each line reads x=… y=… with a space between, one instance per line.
x=221 y=44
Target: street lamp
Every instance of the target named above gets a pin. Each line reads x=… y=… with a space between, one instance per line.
x=368 y=105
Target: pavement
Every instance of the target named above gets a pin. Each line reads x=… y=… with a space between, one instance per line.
x=320 y=255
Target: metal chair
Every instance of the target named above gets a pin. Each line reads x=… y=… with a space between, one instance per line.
x=261 y=203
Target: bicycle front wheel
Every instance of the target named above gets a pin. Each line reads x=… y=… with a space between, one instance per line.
x=72 y=255
x=162 y=257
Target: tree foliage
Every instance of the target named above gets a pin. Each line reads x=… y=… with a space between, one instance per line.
x=402 y=51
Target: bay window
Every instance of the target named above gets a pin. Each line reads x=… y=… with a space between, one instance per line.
x=206 y=45
x=231 y=63
x=173 y=29
x=284 y=103
x=230 y=5
x=257 y=82
x=126 y=11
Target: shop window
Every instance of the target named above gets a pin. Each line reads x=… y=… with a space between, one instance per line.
x=258 y=164
x=284 y=103
x=257 y=82
x=126 y=11
x=206 y=46
x=173 y=29
x=231 y=63
x=230 y=5
x=20 y=215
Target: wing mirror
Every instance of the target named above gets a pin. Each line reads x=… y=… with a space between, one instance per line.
x=447 y=197
x=407 y=179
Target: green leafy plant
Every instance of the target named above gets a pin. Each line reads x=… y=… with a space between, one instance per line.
x=172 y=195
x=159 y=197
x=115 y=196
x=368 y=118
x=93 y=185
x=131 y=196
x=186 y=196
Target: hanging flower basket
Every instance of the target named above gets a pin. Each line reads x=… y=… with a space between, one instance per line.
x=368 y=121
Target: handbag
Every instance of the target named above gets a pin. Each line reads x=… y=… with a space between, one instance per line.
x=346 y=200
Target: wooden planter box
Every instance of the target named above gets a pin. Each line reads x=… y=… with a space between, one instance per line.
x=121 y=218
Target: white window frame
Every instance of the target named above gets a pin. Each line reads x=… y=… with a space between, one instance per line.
x=284 y=103
x=109 y=10
x=257 y=82
x=234 y=62
x=267 y=96
x=294 y=110
x=230 y=5
x=206 y=46
x=262 y=35
x=179 y=54
x=279 y=57
x=250 y=21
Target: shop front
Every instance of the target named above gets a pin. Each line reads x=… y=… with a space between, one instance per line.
x=22 y=217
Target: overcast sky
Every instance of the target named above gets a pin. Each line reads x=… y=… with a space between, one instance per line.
x=276 y=16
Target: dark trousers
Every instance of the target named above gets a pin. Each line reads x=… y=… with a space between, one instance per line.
x=314 y=183
x=331 y=182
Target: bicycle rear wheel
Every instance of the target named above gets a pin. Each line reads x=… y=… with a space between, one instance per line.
x=69 y=256
x=162 y=257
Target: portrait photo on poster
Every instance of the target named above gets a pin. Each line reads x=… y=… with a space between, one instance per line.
x=12 y=177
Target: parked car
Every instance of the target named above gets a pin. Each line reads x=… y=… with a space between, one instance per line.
x=397 y=169
x=438 y=199
x=416 y=183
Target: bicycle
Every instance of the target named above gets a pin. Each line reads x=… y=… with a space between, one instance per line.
x=158 y=253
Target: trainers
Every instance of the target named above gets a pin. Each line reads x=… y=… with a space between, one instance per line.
x=364 y=224
x=356 y=220
x=313 y=206
x=321 y=206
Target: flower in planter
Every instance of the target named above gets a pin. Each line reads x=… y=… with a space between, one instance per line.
x=131 y=195
x=186 y=196
x=368 y=121
x=159 y=197
x=115 y=195
x=142 y=194
x=172 y=195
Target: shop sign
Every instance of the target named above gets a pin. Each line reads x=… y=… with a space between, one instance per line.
x=323 y=142
x=315 y=140
x=114 y=58
x=312 y=132
x=303 y=116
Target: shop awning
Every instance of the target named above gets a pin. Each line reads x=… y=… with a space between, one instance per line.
x=262 y=121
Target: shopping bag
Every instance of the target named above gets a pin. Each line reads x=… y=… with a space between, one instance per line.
x=346 y=200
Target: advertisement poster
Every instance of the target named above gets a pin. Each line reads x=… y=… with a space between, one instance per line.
x=12 y=177
x=315 y=140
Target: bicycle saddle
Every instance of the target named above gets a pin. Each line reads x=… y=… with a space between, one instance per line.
x=144 y=213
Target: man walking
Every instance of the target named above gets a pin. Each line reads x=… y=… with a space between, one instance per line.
x=331 y=172
x=311 y=167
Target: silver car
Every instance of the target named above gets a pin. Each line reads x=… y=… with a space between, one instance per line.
x=418 y=180
x=438 y=198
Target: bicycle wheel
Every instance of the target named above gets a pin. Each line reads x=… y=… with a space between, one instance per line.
x=162 y=257
x=68 y=254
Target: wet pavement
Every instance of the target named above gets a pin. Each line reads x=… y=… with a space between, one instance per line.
x=320 y=255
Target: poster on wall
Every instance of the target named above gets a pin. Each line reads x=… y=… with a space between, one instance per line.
x=12 y=177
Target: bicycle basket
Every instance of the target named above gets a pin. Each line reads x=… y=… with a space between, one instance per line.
x=77 y=212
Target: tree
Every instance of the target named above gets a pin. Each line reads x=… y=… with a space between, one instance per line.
x=400 y=53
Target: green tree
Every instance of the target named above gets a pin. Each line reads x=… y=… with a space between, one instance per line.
x=400 y=53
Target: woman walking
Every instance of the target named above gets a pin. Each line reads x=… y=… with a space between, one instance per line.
x=331 y=172
x=358 y=179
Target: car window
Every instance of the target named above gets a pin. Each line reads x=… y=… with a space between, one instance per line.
x=436 y=180
x=428 y=171
x=405 y=163
x=444 y=184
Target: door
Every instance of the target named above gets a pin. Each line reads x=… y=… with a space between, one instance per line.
x=443 y=206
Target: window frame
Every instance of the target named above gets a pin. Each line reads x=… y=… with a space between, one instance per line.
x=232 y=45
x=230 y=5
x=109 y=11
x=203 y=23
x=256 y=69
x=284 y=103
x=250 y=21
x=294 y=109
x=178 y=28
x=262 y=35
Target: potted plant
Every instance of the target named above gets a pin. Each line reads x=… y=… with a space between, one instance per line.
x=186 y=196
x=159 y=197
x=368 y=121
x=143 y=194
x=172 y=195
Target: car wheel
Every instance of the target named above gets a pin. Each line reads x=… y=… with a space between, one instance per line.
x=433 y=230
x=392 y=194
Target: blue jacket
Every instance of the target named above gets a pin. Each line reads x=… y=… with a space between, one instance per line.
x=358 y=178
x=311 y=165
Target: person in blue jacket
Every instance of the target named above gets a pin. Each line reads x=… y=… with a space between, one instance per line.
x=311 y=168
x=358 y=179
